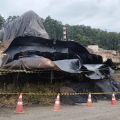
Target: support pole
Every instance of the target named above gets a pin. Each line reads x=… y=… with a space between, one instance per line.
x=52 y=76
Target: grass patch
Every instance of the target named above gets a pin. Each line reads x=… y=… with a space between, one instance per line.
x=28 y=99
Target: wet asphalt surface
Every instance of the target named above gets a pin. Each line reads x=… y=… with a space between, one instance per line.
x=100 y=111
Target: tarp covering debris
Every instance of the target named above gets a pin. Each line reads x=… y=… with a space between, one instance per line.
x=36 y=53
x=67 y=56
x=30 y=49
x=29 y=24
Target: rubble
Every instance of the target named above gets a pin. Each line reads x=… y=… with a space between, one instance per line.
x=31 y=51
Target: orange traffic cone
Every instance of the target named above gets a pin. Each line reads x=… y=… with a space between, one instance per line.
x=89 y=100
x=19 y=107
x=113 y=102
x=57 y=104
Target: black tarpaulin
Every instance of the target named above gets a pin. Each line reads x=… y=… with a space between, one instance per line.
x=71 y=65
x=60 y=50
x=68 y=56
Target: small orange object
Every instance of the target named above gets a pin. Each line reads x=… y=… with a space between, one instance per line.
x=19 y=107
x=57 y=104
x=113 y=102
x=89 y=101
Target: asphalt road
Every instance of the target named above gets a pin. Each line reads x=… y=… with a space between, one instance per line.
x=99 y=111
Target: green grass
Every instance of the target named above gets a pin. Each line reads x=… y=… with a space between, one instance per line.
x=11 y=100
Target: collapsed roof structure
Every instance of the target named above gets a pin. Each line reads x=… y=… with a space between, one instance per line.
x=29 y=48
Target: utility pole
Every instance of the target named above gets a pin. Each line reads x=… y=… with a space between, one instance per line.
x=65 y=33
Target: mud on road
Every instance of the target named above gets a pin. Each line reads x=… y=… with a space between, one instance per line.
x=100 y=111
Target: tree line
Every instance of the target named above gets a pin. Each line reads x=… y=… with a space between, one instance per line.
x=85 y=35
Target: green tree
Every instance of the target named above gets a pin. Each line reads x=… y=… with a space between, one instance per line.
x=54 y=28
x=11 y=18
x=2 y=20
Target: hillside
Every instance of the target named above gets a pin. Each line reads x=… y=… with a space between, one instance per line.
x=83 y=34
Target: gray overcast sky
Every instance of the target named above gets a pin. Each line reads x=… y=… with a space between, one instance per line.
x=103 y=14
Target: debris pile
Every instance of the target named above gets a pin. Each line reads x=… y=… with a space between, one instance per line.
x=30 y=49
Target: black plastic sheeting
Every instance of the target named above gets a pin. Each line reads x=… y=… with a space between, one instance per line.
x=97 y=86
x=32 y=53
x=68 y=56
x=35 y=53
x=54 y=50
